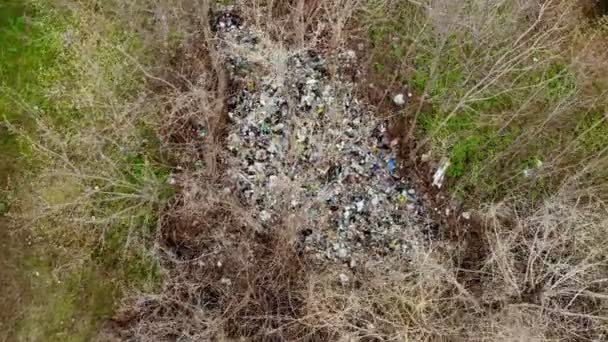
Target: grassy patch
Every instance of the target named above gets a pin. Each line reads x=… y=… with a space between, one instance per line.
x=500 y=95
x=592 y=132
x=28 y=49
x=66 y=306
x=82 y=176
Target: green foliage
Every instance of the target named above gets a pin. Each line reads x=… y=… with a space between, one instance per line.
x=592 y=132
x=560 y=80
x=28 y=50
x=478 y=106
x=446 y=79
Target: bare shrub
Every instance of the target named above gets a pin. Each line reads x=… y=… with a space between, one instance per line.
x=96 y=169
x=550 y=266
x=540 y=278
x=245 y=284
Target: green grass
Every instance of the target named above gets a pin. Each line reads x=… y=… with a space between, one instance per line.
x=531 y=112
x=73 y=81
x=66 y=306
x=592 y=132
x=27 y=53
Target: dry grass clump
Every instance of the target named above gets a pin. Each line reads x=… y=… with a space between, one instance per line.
x=534 y=278
x=551 y=265
x=303 y=23
x=225 y=280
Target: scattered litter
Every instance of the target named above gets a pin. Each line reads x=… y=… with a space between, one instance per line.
x=399 y=99
x=300 y=141
x=343 y=279
x=391 y=165
x=439 y=175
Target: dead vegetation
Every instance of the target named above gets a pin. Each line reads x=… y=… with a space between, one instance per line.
x=517 y=271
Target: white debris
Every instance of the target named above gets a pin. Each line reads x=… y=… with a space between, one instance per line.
x=466 y=215
x=439 y=175
x=399 y=99
x=343 y=279
x=360 y=206
x=265 y=216
x=375 y=201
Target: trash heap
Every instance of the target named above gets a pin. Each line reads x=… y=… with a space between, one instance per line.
x=305 y=152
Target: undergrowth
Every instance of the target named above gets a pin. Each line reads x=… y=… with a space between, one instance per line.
x=513 y=94
x=82 y=178
x=117 y=222
x=502 y=85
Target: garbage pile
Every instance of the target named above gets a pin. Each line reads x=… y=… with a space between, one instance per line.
x=305 y=152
